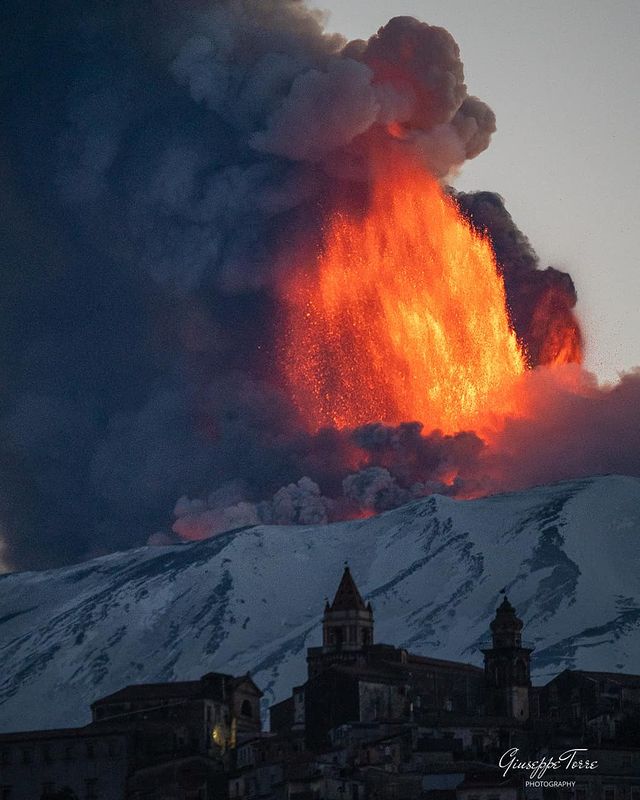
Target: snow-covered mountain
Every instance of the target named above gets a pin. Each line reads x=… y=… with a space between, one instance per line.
x=253 y=599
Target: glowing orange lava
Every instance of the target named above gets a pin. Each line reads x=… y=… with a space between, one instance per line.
x=403 y=318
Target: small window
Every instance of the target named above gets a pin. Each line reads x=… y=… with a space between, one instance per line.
x=91 y=750
x=5 y=757
x=27 y=756
x=609 y=793
x=6 y=793
x=91 y=788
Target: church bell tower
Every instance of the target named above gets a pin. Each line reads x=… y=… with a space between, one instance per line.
x=507 y=666
x=347 y=627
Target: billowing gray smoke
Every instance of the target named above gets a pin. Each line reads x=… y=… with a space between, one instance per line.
x=167 y=162
x=541 y=301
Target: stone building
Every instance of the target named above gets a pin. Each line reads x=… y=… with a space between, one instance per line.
x=352 y=678
x=175 y=737
x=208 y=714
x=92 y=762
x=601 y=706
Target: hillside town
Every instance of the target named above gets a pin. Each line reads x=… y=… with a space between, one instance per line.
x=371 y=722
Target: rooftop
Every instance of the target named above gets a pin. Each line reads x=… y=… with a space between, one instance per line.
x=212 y=685
x=348 y=597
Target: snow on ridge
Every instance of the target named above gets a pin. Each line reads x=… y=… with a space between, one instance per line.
x=253 y=599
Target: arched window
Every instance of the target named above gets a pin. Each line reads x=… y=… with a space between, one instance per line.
x=246 y=709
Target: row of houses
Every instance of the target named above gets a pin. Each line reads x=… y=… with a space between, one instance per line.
x=371 y=721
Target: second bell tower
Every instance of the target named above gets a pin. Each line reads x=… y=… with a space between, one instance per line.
x=507 y=665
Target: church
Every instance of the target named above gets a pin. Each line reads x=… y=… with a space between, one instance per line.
x=371 y=722
x=352 y=678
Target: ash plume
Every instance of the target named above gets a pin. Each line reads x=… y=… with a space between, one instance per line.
x=540 y=301
x=165 y=164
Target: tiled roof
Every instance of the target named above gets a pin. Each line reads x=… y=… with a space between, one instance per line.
x=212 y=685
x=153 y=691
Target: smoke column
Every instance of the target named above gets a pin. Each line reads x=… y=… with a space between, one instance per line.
x=168 y=167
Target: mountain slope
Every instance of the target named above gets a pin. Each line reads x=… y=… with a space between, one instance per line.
x=252 y=600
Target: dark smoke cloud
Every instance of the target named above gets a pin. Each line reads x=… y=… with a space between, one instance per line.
x=541 y=301
x=163 y=163
x=163 y=158
x=298 y=503
x=574 y=428
x=372 y=468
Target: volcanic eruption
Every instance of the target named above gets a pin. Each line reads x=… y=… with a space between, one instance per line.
x=389 y=328
x=261 y=297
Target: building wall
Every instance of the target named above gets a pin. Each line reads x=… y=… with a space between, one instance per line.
x=193 y=719
x=281 y=716
x=381 y=701
x=447 y=689
x=330 y=699
x=245 y=708
x=191 y=778
x=93 y=766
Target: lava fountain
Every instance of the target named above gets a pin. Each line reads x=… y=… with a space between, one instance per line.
x=403 y=317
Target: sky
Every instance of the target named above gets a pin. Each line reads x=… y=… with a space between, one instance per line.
x=563 y=79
